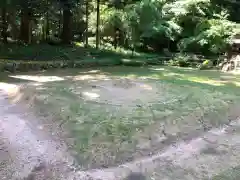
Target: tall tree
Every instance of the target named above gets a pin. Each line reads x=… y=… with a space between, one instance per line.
x=12 y=20
x=25 y=28
x=27 y=8
x=97 y=26
x=87 y=19
x=47 y=20
x=67 y=21
x=4 y=21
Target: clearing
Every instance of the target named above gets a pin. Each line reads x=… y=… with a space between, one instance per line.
x=116 y=117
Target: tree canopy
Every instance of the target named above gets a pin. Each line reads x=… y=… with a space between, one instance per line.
x=198 y=26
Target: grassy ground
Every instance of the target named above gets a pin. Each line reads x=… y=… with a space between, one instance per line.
x=117 y=114
x=76 y=51
x=232 y=173
x=16 y=58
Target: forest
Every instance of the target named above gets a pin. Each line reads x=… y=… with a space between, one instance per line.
x=203 y=27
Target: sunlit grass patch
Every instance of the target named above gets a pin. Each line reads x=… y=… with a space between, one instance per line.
x=38 y=78
x=206 y=81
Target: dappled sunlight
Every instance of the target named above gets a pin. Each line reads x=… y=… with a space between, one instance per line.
x=157 y=69
x=236 y=83
x=12 y=91
x=148 y=77
x=172 y=74
x=217 y=81
x=39 y=78
x=132 y=76
x=36 y=84
x=40 y=88
x=79 y=44
x=89 y=77
x=91 y=95
x=183 y=68
x=235 y=72
x=17 y=97
x=146 y=86
x=9 y=89
x=227 y=77
x=94 y=71
x=91 y=72
x=206 y=81
x=186 y=69
x=127 y=60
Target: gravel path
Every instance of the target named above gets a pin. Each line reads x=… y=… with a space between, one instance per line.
x=29 y=152
x=26 y=150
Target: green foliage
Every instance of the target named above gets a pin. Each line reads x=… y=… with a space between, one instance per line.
x=147 y=21
x=110 y=17
x=210 y=36
x=207 y=64
x=182 y=60
x=195 y=26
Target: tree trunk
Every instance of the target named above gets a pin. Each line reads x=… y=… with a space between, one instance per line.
x=86 y=29
x=60 y=23
x=115 y=41
x=25 y=29
x=4 y=24
x=67 y=26
x=117 y=32
x=47 y=26
x=98 y=22
x=14 y=30
x=47 y=23
x=43 y=31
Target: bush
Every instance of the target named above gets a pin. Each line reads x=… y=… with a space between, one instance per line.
x=183 y=63
x=207 y=64
x=182 y=60
x=173 y=63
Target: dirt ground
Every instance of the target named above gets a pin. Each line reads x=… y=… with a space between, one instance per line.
x=71 y=125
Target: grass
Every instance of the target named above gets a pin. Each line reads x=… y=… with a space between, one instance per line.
x=230 y=174
x=76 y=51
x=116 y=114
x=19 y=58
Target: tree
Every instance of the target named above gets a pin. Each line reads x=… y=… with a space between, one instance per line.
x=4 y=21
x=67 y=21
x=47 y=20
x=97 y=27
x=12 y=21
x=26 y=14
x=145 y=25
x=86 y=28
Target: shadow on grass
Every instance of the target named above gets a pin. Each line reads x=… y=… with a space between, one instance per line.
x=211 y=80
x=230 y=174
x=135 y=176
x=6 y=78
x=46 y=52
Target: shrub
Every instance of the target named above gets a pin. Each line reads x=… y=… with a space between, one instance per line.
x=173 y=63
x=182 y=60
x=183 y=63
x=207 y=64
